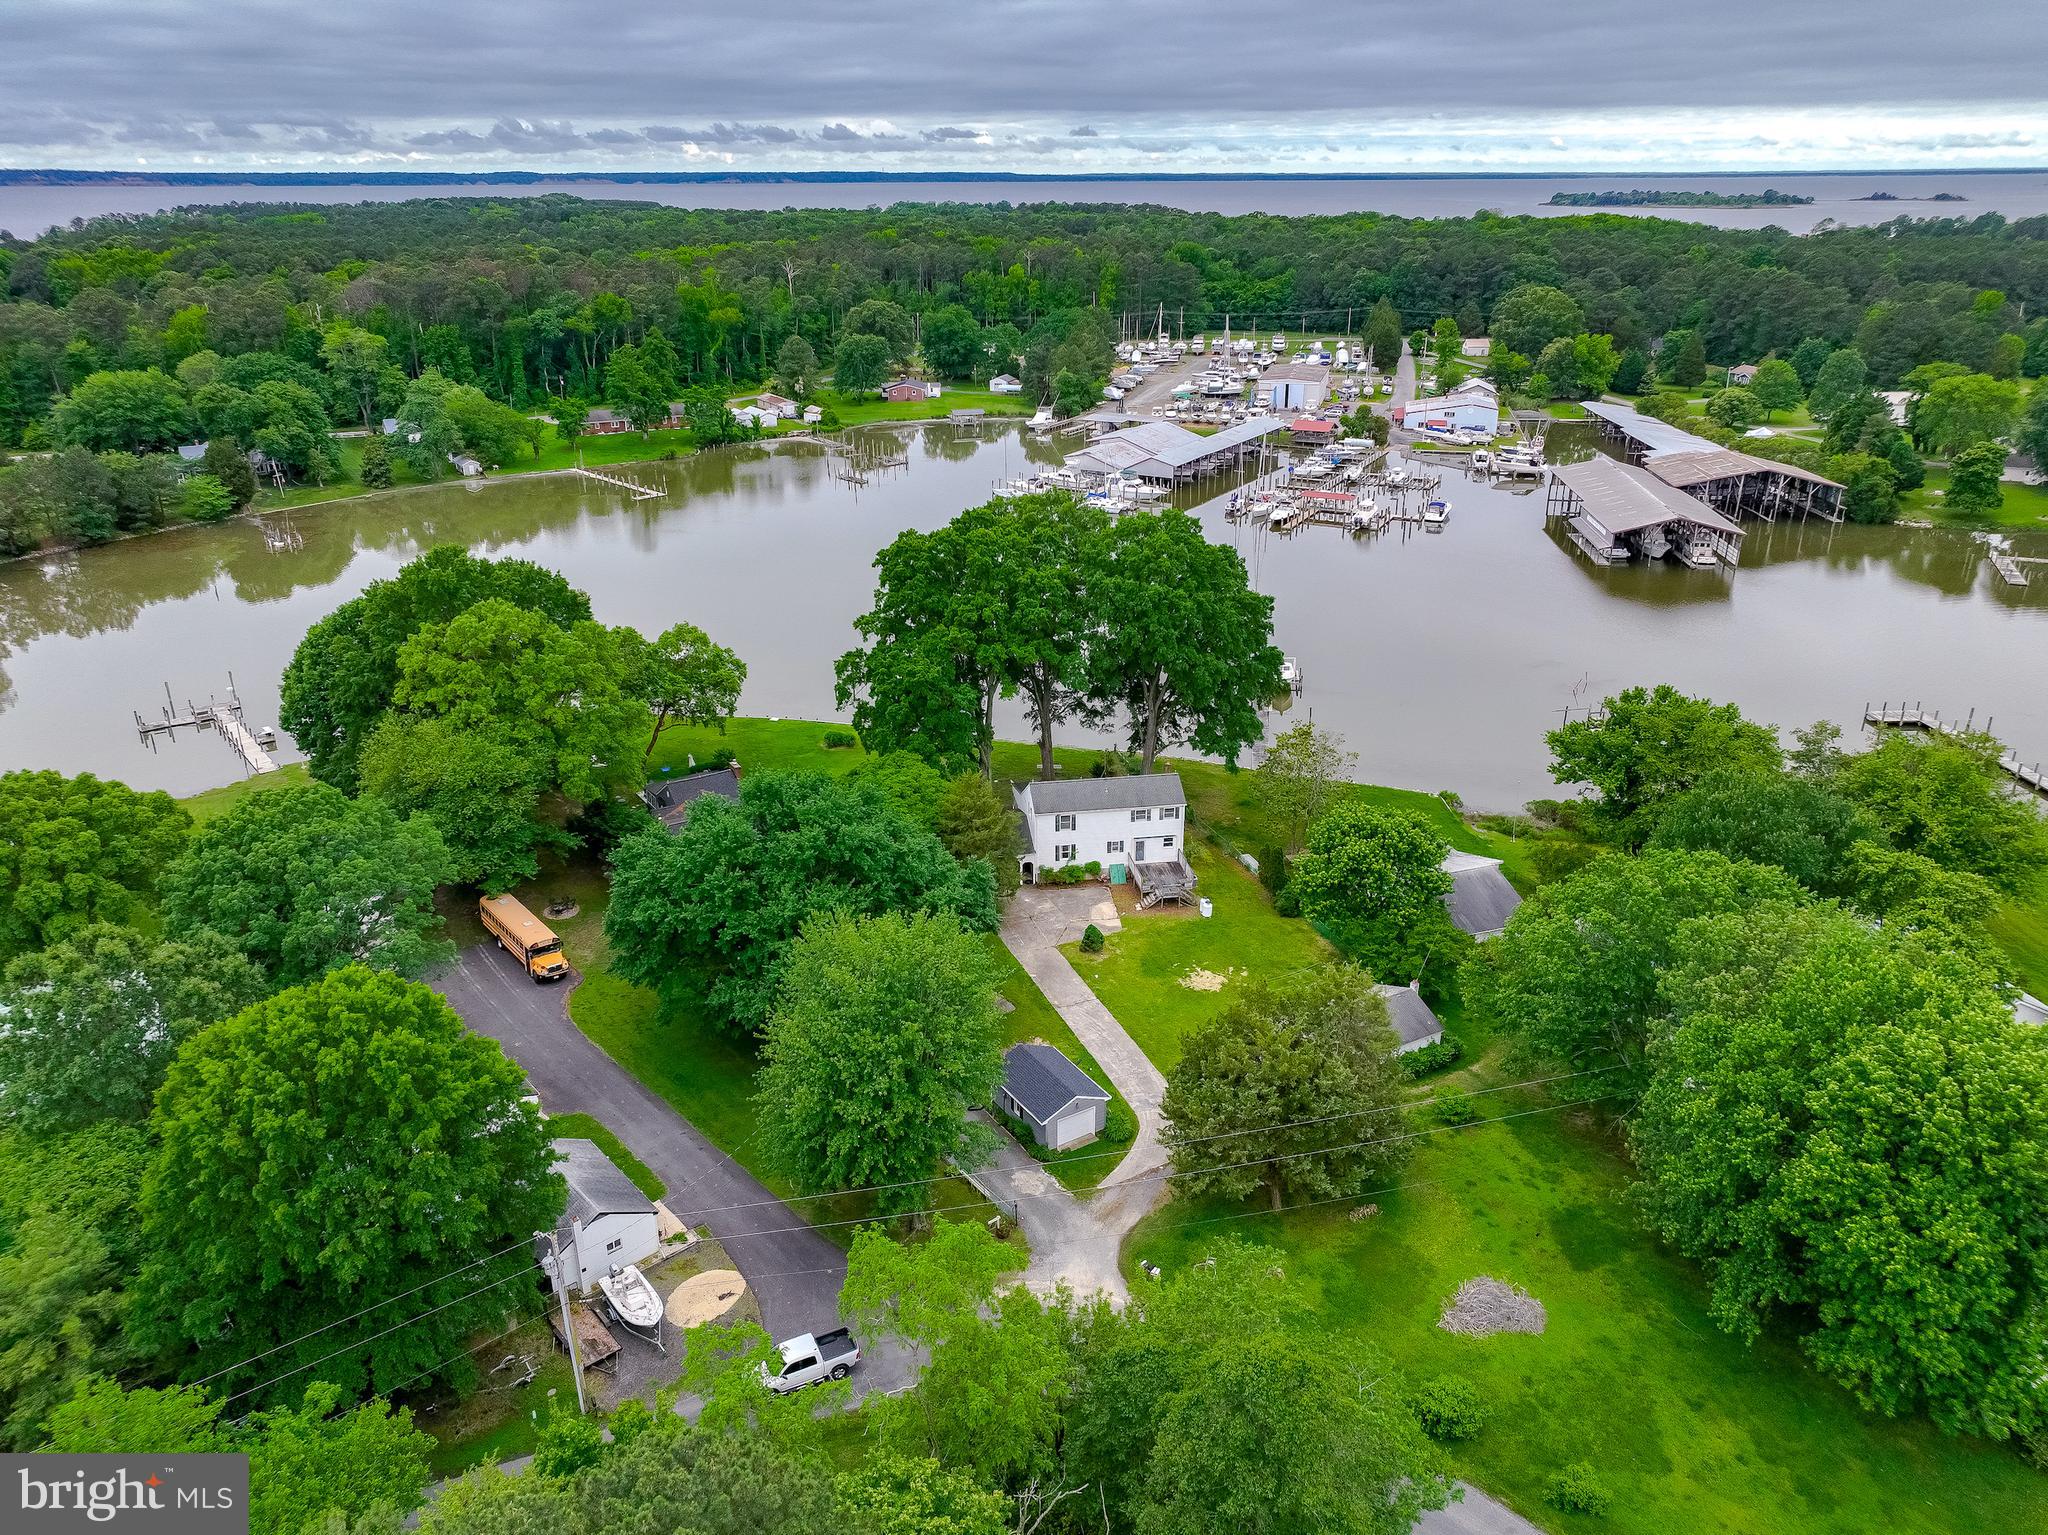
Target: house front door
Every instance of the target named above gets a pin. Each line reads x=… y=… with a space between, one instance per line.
x=1138 y=853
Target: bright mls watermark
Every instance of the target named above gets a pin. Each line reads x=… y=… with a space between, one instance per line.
x=157 y=1494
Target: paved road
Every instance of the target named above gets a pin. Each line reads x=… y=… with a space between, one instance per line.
x=1475 y=1514
x=794 y=1272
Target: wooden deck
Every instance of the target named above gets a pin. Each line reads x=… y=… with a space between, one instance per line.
x=1158 y=882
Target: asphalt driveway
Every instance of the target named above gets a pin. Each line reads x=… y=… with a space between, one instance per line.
x=795 y=1273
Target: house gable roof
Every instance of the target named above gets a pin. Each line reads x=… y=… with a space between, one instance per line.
x=670 y=798
x=1044 y=1082
x=1134 y=791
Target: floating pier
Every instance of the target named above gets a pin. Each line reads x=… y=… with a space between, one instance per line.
x=632 y=487
x=1918 y=717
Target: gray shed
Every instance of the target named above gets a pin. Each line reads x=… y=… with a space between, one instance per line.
x=1415 y=1024
x=1063 y=1105
x=1481 y=899
x=608 y=1222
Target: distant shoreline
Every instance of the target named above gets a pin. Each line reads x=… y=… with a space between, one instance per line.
x=1647 y=197
x=55 y=177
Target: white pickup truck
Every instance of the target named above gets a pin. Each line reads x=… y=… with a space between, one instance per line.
x=808 y=1359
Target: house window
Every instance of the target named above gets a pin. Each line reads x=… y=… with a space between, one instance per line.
x=1169 y=813
x=1166 y=842
x=1064 y=852
x=614 y=1245
x=1141 y=815
x=1062 y=823
x=1112 y=847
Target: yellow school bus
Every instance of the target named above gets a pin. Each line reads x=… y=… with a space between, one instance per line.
x=525 y=935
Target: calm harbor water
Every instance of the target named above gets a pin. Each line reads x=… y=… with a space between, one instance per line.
x=1441 y=657
x=29 y=210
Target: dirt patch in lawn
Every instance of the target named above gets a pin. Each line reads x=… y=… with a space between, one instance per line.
x=1204 y=980
x=1485 y=1306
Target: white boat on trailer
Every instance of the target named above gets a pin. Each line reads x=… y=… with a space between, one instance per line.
x=633 y=1302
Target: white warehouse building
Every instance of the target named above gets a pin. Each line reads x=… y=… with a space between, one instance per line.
x=1135 y=827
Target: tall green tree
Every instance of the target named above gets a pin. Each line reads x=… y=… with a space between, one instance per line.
x=1297 y=776
x=304 y=880
x=1788 y=823
x=257 y=1233
x=340 y=680
x=1974 y=488
x=1647 y=744
x=1383 y=337
x=797 y=367
x=634 y=382
x=683 y=677
x=1683 y=361
x=950 y=338
x=480 y=787
x=1313 y=1051
x=860 y=365
x=139 y=410
x=93 y=1021
x=1841 y=378
x=1373 y=878
x=883 y=1035
x=75 y=851
x=1576 y=973
x=310 y=1466
x=1947 y=800
x=1531 y=316
x=1848 y=1128
x=1776 y=386
x=709 y=914
x=1961 y=411
x=1186 y=645
x=977 y=820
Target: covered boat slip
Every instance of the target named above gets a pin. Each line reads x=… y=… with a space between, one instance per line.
x=1735 y=484
x=1159 y=450
x=1614 y=511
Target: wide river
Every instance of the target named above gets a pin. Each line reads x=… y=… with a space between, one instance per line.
x=1844 y=198
x=1441 y=657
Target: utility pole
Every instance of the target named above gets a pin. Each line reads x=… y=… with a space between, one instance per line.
x=568 y=1325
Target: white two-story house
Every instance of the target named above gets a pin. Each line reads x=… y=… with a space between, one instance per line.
x=1134 y=827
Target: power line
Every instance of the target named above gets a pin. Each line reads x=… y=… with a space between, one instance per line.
x=379 y=1305
x=520 y=1273
x=863 y=1189
x=1091 y=1156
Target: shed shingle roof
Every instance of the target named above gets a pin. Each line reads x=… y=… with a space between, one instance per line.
x=1481 y=899
x=1411 y=1016
x=596 y=1186
x=1044 y=1081
x=1134 y=791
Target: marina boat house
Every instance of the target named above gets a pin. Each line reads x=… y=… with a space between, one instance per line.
x=1734 y=484
x=1615 y=511
x=608 y=1224
x=1135 y=827
x=1471 y=407
x=1161 y=451
x=1062 y=1104
x=1299 y=386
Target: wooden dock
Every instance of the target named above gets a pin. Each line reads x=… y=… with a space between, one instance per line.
x=2008 y=568
x=630 y=486
x=225 y=719
x=1918 y=717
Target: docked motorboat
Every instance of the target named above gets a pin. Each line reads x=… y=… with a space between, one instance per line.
x=633 y=1302
x=1435 y=515
x=1397 y=475
x=1290 y=673
x=1041 y=419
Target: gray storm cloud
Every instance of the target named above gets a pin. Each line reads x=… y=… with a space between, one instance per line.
x=1028 y=84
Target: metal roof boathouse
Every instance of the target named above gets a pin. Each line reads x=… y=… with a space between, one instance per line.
x=1159 y=450
x=1733 y=483
x=1615 y=511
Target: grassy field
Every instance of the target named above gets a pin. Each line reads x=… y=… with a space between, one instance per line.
x=1689 y=1429
x=499 y=1422
x=210 y=804
x=1141 y=975
x=2020 y=927
x=853 y=412
x=2026 y=506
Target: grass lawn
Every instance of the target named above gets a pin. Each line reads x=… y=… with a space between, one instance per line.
x=585 y=1127
x=1690 y=1430
x=211 y=804
x=853 y=412
x=1141 y=971
x=2020 y=927
x=498 y=1422
x=2026 y=506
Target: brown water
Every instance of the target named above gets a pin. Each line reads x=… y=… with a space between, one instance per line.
x=29 y=210
x=1441 y=657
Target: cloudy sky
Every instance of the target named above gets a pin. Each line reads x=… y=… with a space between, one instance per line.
x=1045 y=86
